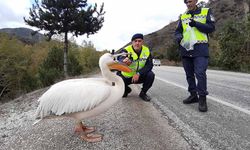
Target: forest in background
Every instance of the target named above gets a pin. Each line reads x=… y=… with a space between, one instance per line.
x=27 y=67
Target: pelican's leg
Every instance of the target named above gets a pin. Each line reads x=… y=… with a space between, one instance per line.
x=82 y=128
x=87 y=132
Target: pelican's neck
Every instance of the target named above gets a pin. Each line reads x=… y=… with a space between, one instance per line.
x=107 y=74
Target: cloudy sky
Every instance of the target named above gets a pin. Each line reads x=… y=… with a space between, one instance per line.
x=123 y=18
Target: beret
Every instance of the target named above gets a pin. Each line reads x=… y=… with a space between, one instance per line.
x=137 y=36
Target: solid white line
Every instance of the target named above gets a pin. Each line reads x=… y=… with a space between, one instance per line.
x=210 y=97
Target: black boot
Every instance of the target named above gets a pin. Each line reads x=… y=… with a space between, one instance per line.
x=144 y=96
x=127 y=91
x=193 y=98
x=202 y=103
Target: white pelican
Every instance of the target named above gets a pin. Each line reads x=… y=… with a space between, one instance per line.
x=84 y=98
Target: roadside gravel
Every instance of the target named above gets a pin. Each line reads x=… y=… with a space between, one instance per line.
x=131 y=124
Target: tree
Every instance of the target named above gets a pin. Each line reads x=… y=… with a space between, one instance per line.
x=66 y=16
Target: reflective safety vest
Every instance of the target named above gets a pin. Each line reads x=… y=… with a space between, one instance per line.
x=137 y=62
x=202 y=18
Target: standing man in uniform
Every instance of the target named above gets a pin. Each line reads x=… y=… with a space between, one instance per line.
x=140 y=61
x=192 y=36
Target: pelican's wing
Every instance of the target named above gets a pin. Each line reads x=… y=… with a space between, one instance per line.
x=73 y=96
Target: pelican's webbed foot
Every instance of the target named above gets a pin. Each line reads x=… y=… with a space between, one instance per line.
x=92 y=137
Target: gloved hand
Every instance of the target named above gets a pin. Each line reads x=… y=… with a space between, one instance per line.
x=192 y=23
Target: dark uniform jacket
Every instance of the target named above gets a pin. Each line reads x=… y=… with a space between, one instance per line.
x=200 y=49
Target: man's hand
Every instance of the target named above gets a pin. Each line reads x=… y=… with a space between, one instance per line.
x=192 y=23
x=135 y=78
x=127 y=61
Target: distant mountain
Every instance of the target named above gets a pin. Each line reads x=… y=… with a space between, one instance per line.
x=24 y=34
x=223 y=11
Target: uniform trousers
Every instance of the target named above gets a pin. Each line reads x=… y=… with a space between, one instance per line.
x=146 y=80
x=195 y=69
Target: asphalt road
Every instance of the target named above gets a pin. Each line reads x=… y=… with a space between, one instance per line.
x=227 y=123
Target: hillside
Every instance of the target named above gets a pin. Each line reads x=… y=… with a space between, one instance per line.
x=24 y=34
x=223 y=11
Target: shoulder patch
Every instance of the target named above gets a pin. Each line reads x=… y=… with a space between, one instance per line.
x=212 y=18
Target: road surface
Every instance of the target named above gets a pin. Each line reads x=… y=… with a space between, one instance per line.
x=226 y=125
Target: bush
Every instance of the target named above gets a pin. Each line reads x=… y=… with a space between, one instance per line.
x=52 y=67
x=74 y=67
x=15 y=62
x=231 y=40
x=173 y=53
x=48 y=76
x=89 y=58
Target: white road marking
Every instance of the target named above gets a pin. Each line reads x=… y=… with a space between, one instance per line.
x=210 y=97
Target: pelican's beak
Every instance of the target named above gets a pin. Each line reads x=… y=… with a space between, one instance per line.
x=119 y=66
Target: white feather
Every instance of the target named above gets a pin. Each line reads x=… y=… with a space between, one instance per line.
x=73 y=96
